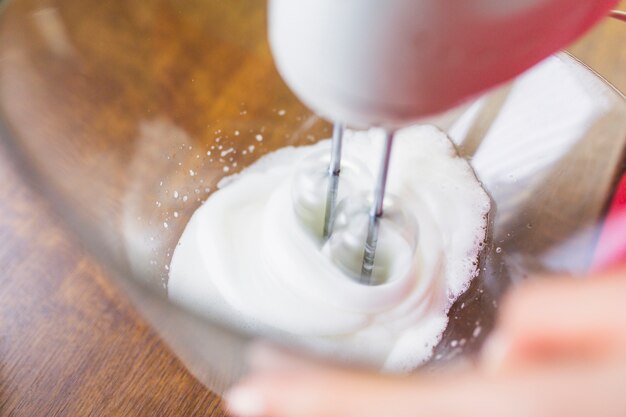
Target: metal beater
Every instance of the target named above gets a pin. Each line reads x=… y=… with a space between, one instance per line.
x=376 y=209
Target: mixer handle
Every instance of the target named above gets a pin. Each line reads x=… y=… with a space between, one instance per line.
x=618 y=14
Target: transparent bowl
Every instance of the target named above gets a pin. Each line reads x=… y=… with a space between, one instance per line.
x=111 y=107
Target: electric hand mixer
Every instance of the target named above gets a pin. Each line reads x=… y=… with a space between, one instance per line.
x=386 y=64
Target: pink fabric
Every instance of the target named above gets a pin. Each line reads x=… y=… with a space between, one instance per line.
x=611 y=248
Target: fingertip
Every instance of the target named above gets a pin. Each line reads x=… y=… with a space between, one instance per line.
x=495 y=351
x=245 y=401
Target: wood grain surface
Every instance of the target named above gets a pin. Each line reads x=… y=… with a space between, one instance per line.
x=72 y=345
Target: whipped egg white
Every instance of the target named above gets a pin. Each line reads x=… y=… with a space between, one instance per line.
x=245 y=257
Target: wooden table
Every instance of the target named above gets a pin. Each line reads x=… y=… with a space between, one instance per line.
x=72 y=345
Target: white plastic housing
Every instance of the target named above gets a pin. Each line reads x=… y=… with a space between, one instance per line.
x=391 y=62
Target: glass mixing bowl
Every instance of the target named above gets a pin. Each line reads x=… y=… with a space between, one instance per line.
x=111 y=109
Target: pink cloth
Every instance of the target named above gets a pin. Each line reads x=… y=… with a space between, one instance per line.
x=611 y=248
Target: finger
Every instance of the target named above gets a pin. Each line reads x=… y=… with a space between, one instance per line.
x=559 y=319
x=329 y=392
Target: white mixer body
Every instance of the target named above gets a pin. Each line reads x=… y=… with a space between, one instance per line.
x=391 y=62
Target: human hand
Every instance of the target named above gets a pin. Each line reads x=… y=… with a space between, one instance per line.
x=559 y=349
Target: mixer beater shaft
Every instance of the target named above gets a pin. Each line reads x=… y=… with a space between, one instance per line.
x=334 y=168
x=376 y=212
